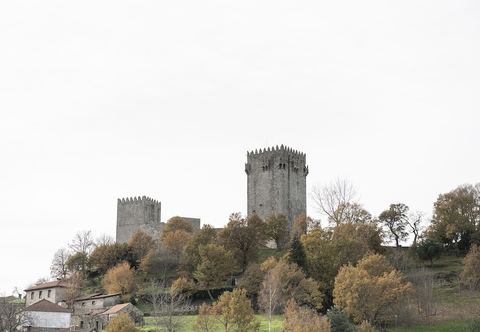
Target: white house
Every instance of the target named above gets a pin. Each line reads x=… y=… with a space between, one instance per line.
x=45 y=314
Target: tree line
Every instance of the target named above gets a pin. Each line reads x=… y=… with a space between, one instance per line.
x=338 y=275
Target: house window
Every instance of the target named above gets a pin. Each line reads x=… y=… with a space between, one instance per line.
x=32 y=296
x=49 y=293
x=93 y=302
x=83 y=304
x=40 y=294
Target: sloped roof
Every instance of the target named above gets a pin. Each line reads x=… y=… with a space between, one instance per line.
x=115 y=309
x=95 y=296
x=46 y=306
x=50 y=284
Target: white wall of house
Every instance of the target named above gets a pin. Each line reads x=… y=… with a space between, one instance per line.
x=50 y=319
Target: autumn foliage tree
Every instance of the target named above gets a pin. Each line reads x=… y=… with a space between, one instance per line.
x=234 y=311
x=329 y=249
x=276 y=229
x=121 y=323
x=119 y=279
x=470 y=275
x=216 y=264
x=205 y=321
x=243 y=236
x=140 y=245
x=373 y=290
x=303 y=319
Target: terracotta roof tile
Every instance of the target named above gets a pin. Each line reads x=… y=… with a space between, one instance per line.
x=115 y=309
x=50 y=284
x=46 y=306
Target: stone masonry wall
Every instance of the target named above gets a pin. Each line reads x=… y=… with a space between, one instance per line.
x=276 y=182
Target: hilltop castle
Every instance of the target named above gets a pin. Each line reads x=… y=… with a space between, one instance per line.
x=276 y=182
x=142 y=213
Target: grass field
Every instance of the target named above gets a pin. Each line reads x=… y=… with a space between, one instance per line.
x=188 y=321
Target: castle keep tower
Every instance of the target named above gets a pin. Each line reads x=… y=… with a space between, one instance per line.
x=276 y=182
x=135 y=214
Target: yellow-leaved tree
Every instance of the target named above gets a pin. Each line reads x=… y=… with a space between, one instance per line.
x=121 y=323
x=372 y=291
x=234 y=311
x=304 y=319
x=119 y=279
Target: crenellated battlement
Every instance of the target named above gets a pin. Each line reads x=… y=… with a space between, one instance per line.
x=276 y=150
x=136 y=200
x=276 y=182
x=276 y=157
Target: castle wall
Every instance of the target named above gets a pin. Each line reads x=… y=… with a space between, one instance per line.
x=142 y=213
x=138 y=213
x=276 y=182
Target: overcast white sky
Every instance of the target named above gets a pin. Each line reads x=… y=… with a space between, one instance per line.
x=102 y=100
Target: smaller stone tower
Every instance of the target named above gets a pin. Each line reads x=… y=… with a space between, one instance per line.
x=276 y=182
x=138 y=213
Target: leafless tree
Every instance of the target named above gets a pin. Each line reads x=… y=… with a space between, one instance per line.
x=104 y=239
x=334 y=199
x=59 y=269
x=414 y=222
x=270 y=294
x=167 y=307
x=13 y=315
x=82 y=243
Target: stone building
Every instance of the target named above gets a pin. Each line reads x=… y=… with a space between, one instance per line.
x=53 y=291
x=276 y=182
x=142 y=213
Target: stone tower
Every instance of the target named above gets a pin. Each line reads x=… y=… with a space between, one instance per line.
x=138 y=213
x=276 y=182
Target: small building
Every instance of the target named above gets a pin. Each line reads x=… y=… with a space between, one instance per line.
x=53 y=291
x=46 y=316
x=85 y=304
x=135 y=314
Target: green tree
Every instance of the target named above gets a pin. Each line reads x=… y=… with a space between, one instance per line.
x=206 y=235
x=234 y=311
x=121 y=323
x=373 y=290
x=106 y=256
x=243 y=236
x=251 y=281
x=159 y=263
x=276 y=229
x=456 y=216
x=303 y=319
x=296 y=253
x=395 y=219
x=429 y=249
x=78 y=263
x=216 y=264
x=339 y=320
x=329 y=249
